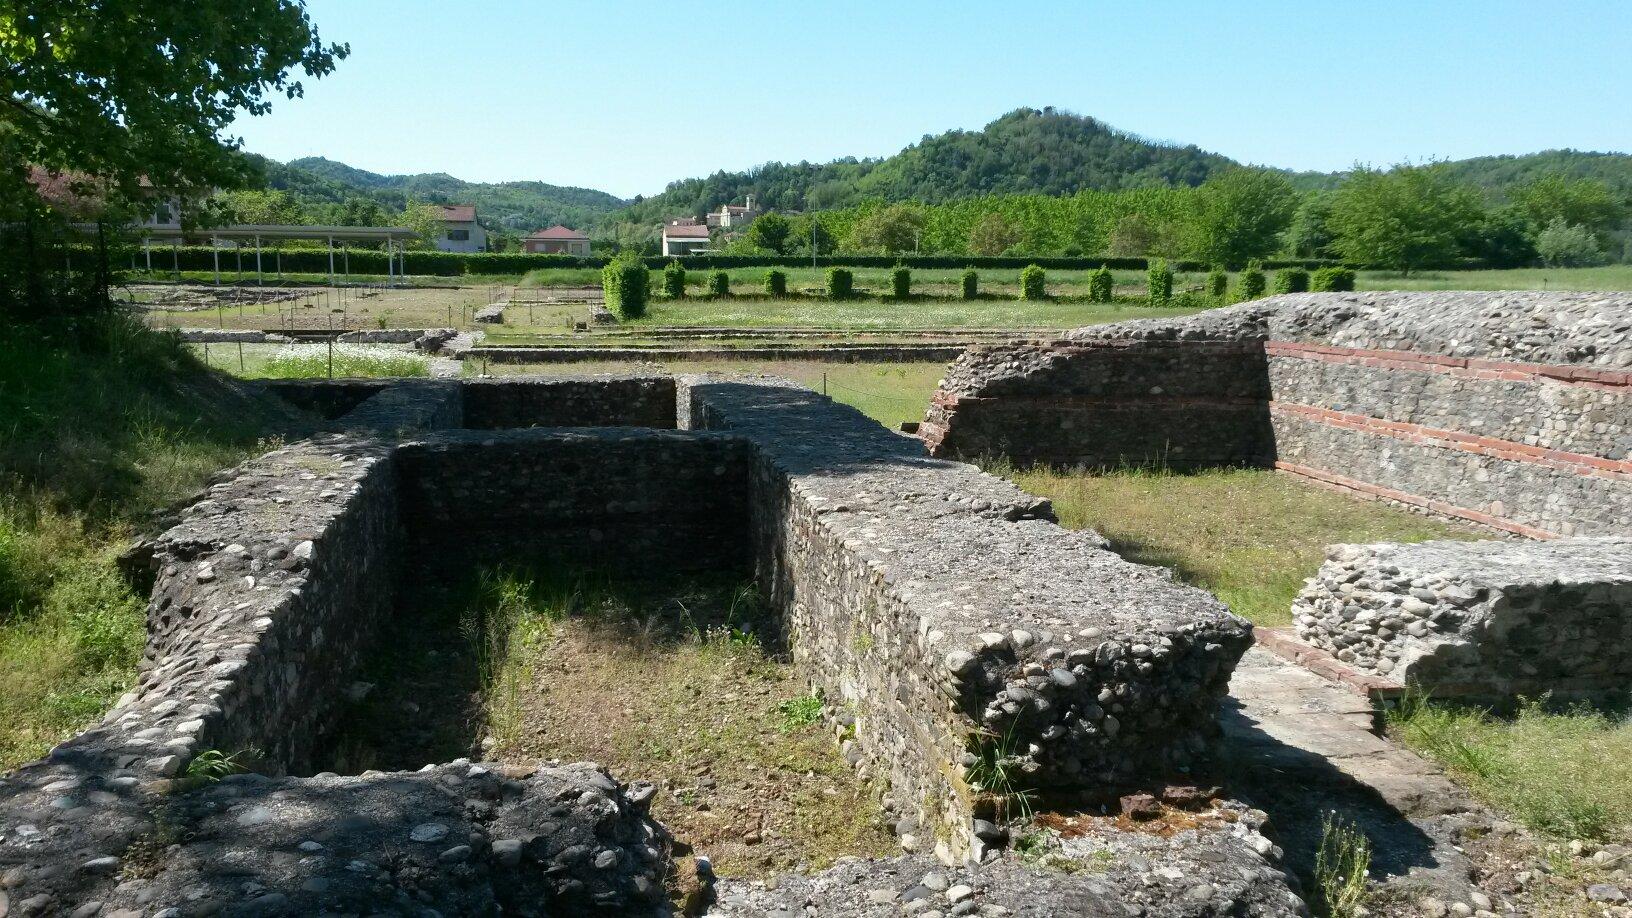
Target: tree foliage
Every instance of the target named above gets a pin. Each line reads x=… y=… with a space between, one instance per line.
x=1240 y=214
x=994 y=234
x=1402 y=219
x=892 y=230
x=143 y=90
x=1563 y=244
x=769 y=232
x=1555 y=197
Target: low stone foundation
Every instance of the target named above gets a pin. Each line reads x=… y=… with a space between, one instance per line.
x=1486 y=621
x=959 y=631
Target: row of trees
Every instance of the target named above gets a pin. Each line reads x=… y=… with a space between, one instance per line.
x=1405 y=218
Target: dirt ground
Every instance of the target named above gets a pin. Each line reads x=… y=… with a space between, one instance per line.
x=679 y=683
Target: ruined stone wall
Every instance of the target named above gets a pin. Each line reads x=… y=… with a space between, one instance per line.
x=958 y=626
x=1108 y=404
x=615 y=497
x=1484 y=621
x=1510 y=410
x=567 y=401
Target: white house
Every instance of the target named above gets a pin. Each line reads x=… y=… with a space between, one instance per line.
x=557 y=240
x=684 y=237
x=734 y=216
x=460 y=231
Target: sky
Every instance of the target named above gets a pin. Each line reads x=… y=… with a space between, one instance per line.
x=629 y=96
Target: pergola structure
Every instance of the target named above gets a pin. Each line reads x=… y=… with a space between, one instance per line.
x=393 y=236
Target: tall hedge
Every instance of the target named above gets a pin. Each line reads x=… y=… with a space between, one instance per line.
x=674 y=280
x=1032 y=283
x=1332 y=280
x=1159 y=283
x=1218 y=283
x=624 y=283
x=901 y=282
x=970 y=283
x=776 y=283
x=1291 y=280
x=1250 y=285
x=1101 y=285
x=841 y=284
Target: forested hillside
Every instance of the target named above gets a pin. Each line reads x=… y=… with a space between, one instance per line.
x=1503 y=173
x=1026 y=151
x=516 y=206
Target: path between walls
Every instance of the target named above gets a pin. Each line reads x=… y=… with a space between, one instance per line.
x=1301 y=746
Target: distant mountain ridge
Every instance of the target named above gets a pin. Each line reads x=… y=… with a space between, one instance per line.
x=519 y=206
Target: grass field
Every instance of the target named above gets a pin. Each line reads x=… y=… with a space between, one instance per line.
x=1250 y=536
x=1608 y=277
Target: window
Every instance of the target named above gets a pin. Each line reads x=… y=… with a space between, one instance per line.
x=459 y=235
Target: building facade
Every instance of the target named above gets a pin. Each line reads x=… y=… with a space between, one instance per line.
x=460 y=232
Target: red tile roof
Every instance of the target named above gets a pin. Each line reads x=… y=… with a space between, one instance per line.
x=686 y=231
x=459 y=213
x=556 y=232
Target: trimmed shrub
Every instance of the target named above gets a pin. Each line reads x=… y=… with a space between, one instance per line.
x=1250 y=285
x=1332 y=280
x=901 y=282
x=1101 y=285
x=841 y=284
x=719 y=283
x=1291 y=280
x=970 y=283
x=1218 y=283
x=624 y=283
x=1032 y=285
x=1159 y=282
x=776 y=283
x=674 y=280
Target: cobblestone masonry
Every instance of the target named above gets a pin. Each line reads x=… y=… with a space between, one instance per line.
x=1512 y=410
x=941 y=605
x=1483 y=620
x=946 y=608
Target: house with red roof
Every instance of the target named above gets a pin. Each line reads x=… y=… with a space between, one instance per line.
x=557 y=240
x=460 y=231
x=684 y=237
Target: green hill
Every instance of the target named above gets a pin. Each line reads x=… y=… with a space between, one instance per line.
x=518 y=206
x=1499 y=173
x=1027 y=151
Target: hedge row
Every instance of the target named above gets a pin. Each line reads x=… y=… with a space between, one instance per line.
x=454 y=264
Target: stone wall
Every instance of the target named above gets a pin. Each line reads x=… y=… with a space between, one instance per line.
x=958 y=623
x=568 y=401
x=948 y=619
x=597 y=496
x=1510 y=410
x=1486 y=621
x=1107 y=404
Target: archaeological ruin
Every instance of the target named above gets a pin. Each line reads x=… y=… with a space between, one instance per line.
x=969 y=646
x=1511 y=411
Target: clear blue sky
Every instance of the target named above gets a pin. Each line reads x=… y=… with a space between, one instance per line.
x=627 y=96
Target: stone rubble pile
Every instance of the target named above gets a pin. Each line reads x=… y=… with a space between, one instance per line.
x=1109 y=874
x=1488 y=620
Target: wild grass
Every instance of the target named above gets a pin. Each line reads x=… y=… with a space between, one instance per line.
x=1250 y=536
x=99 y=428
x=1341 y=864
x=343 y=361
x=1562 y=770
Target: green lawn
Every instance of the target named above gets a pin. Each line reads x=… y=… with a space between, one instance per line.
x=1609 y=277
x=1250 y=536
